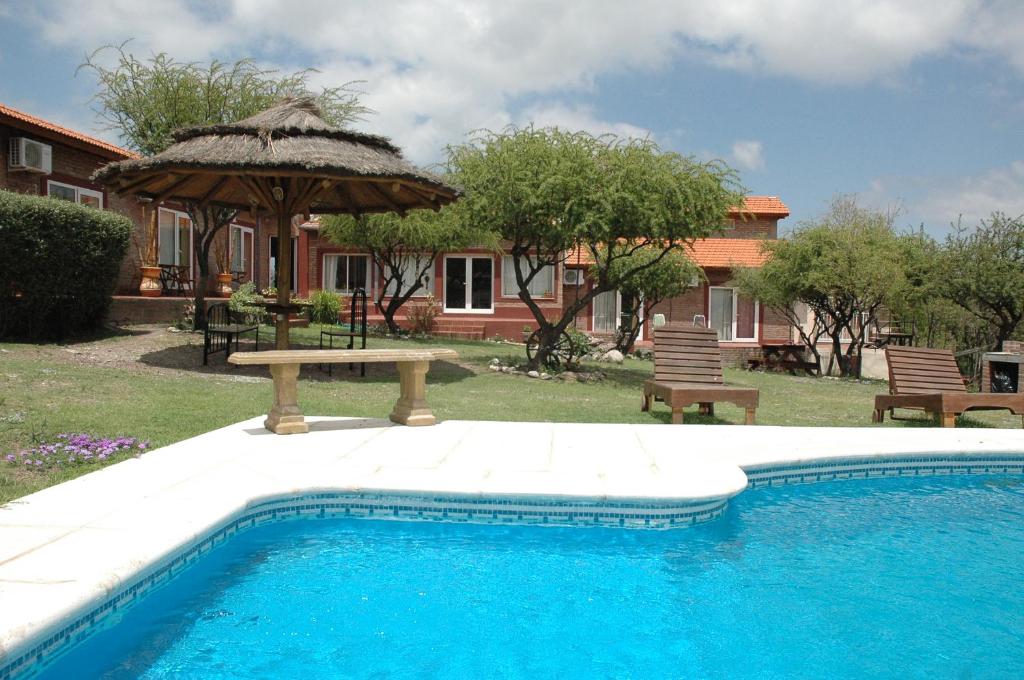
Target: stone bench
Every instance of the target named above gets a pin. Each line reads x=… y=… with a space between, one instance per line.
x=286 y=418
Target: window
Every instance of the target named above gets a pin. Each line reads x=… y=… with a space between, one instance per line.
x=345 y=273
x=411 y=266
x=69 y=192
x=241 y=252
x=174 y=238
x=468 y=285
x=542 y=286
x=733 y=316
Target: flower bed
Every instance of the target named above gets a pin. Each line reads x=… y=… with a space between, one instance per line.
x=76 y=449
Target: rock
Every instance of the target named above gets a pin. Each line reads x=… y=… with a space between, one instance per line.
x=533 y=374
x=507 y=369
x=612 y=356
x=495 y=361
x=568 y=376
x=545 y=376
x=493 y=367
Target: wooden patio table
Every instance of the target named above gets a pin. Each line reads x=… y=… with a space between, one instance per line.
x=285 y=416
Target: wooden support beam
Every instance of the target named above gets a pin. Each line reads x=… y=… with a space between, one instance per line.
x=217 y=186
x=169 y=191
x=386 y=199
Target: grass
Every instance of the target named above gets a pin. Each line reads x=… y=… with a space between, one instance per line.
x=43 y=394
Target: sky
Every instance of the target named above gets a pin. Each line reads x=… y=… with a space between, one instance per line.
x=913 y=106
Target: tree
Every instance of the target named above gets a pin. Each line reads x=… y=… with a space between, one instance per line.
x=983 y=272
x=844 y=267
x=403 y=248
x=670 y=276
x=547 y=193
x=145 y=101
x=778 y=286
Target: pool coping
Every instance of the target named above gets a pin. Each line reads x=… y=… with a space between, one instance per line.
x=72 y=554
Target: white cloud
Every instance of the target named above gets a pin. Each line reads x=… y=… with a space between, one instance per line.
x=579 y=118
x=939 y=202
x=748 y=154
x=438 y=69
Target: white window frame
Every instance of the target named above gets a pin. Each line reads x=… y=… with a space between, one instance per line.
x=469 y=280
x=177 y=237
x=349 y=256
x=246 y=257
x=79 y=191
x=506 y=261
x=429 y=275
x=735 y=314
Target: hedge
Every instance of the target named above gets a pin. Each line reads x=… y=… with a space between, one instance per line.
x=59 y=263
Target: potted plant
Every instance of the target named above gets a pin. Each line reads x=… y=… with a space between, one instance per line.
x=149 y=268
x=223 y=258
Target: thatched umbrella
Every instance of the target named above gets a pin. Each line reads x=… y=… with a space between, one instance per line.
x=286 y=161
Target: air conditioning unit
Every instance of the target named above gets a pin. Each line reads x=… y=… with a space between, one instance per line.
x=30 y=155
x=572 y=277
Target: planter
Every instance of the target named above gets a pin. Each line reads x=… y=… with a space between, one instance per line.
x=150 y=286
x=224 y=284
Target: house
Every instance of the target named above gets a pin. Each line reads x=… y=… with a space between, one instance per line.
x=46 y=159
x=479 y=298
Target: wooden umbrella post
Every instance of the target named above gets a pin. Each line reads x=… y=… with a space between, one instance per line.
x=284 y=275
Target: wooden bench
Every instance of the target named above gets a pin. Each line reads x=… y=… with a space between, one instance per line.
x=688 y=370
x=929 y=379
x=285 y=416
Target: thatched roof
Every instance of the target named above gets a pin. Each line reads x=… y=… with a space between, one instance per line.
x=292 y=144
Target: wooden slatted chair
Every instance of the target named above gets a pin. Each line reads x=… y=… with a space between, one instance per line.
x=929 y=379
x=688 y=370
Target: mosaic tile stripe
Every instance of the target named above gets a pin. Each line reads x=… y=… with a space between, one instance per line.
x=759 y=476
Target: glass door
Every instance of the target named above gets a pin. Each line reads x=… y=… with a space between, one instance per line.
x=241 y=253
x=720 y=312
x=468 y=284
x=606 y=312
x=273 y=262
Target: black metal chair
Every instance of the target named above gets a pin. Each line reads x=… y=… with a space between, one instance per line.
x=221 y=328
x=356 y=329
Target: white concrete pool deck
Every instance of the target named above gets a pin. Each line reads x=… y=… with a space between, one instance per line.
x=66 y=548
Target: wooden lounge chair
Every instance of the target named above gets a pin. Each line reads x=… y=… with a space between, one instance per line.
x=929 y=379
x=688 y=370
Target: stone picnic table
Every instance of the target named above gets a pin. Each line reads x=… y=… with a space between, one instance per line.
x=285 y=416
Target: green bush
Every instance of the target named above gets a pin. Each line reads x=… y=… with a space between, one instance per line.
x=324 y=307
x=244 y=302
x=58 y=266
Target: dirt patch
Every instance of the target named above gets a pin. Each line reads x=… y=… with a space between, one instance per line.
x=162 y=350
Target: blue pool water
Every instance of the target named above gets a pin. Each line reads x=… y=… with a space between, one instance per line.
x=887 y=578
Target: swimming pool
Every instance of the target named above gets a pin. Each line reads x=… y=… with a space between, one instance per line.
x=888 y=577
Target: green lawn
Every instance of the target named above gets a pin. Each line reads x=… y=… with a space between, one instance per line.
x=166 y=396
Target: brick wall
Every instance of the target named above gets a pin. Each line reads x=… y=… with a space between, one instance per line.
x=72 y=165
x=751 y=228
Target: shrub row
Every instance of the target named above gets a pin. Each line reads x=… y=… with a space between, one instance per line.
x=59 y=263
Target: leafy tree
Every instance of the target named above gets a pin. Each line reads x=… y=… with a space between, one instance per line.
x=844 y=267
x=403 y=248
x=670 y=275
x=982 y=271
x=146 y=100
x=547 y=192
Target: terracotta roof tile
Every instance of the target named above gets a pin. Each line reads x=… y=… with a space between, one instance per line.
x=707 y=253
x=106 y=148
x=762 y=205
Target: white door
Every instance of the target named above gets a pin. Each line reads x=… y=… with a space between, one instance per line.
x=721 y=315
x=733 y=316
x=606 y=312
